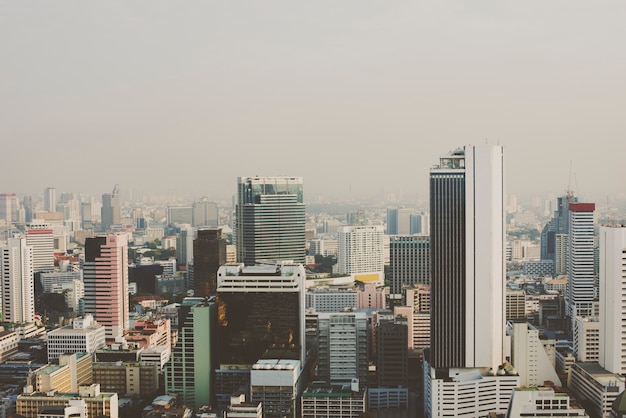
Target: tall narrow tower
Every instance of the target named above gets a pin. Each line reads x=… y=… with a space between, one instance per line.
x=270 y=218
x=581 y=260
x=50 y=199
x=209 y=253
x=111 y=211
x=467 y=259
x=18 y=288
x=106 y=282
x=613 y=298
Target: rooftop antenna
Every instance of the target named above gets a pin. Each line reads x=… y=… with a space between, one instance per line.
x=569 y=184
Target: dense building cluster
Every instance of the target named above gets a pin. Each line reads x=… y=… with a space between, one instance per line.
x=469 y=306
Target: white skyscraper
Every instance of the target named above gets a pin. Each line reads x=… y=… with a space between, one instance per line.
x=467 y=258
x=40 y=236
x=464 y=369
x=580 y=282
x=613 y=298
x=18 y=288
x=360 y=252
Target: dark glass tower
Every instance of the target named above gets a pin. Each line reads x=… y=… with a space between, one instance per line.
x=209 y=253
x=270 y=219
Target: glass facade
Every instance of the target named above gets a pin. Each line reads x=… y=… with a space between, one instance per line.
x=257 y=325
x=270 y=220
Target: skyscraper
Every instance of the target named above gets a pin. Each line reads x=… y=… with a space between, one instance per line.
x=18 y=288
x=40 y=236
x=209 y=253
x=9 y=205
x=360 y=252
x=409 y=261
x=190 y=370
x=260 y=320
x=467 y=258
x=106 y=282
x=399 y=221
x=464 y=368
x=27 y=202
x=613 y=298
x=50 y=199
x=270 y=219
x=343 y=350
x=204 y=213
x=580 y=283
x=111 y=210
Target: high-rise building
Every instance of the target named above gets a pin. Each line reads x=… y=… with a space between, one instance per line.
x=260 y=319
x=270 y=219
x=558 y=225
x=204 y=213
x=581 y=273
x=392 y=352
x=18 y=288
x=106 y=282
x=529 y=356
x=409 y=261
x=179 y=215
x=50 y=199
x=86 y=214
x=399 y=221
x=209 y=253
x=184 y=244
x=190 y=370
x=343 y=352
x=360 y=252
x=464 y=368
x=29 y=209
x=261 y=313
x=420 y=223
x=40 y=236
x=613 y=298
x=111 y=209
x=467 y=259
x=9 y=205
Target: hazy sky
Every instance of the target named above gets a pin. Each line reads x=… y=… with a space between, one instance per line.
x=351 y=95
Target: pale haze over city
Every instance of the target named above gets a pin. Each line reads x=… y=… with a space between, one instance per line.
x=357 y=97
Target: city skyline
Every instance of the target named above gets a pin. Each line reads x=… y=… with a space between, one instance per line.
x=357 y=90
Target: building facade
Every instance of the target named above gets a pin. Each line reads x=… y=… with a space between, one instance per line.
x=343 y=352
x=409 y=261
x=83 y=336
x=467 y=259
x=581 y=253
x=106 y=282
x=209 y=253
x=270 y=219
x=111 y=211
x=613 y=298
x=189 y=373
x=360 y=252
x=466 y=355
x=18 y=288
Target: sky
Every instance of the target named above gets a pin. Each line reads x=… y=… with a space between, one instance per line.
x=356 y=97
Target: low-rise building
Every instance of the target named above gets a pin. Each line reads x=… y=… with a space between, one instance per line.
x=134 y=378
x=85 y=335
x=97 y=403
x=594 y=386
x=322 y=400
x=542 y=402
